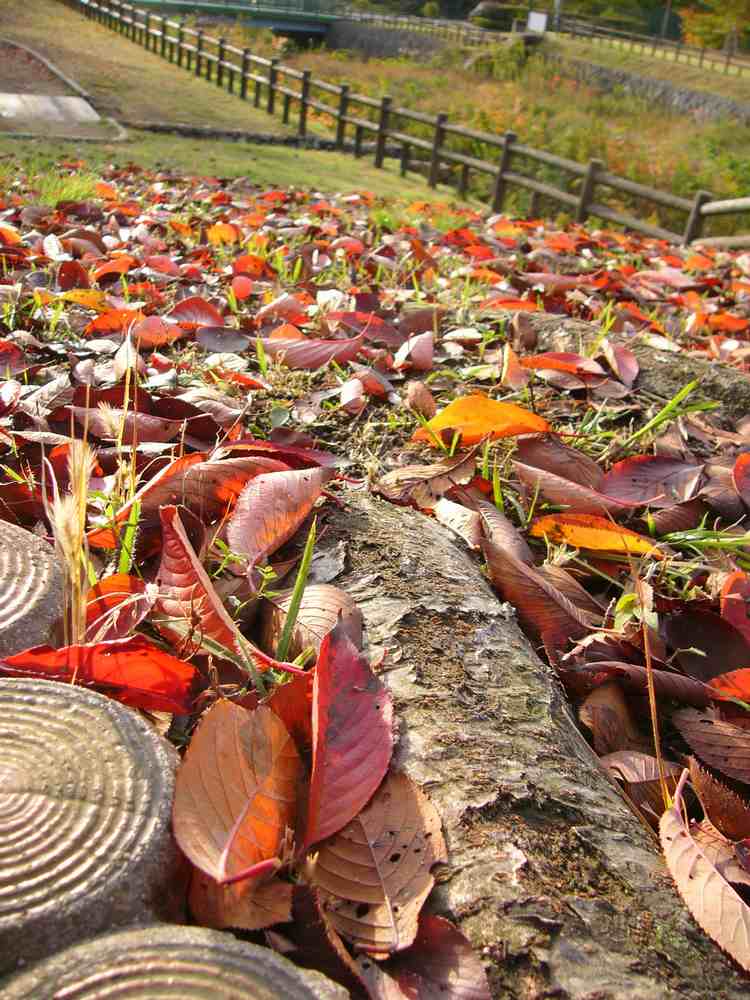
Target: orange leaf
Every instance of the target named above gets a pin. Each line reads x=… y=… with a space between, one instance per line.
x=222 y=232
x=734 y=684
x=121 y=265
x=114 y=606
x=475 y=417
x=588 y=531
x=89 y=298
x=114 y=321
x=236 y=792
x=728 y=323
x=511 y=305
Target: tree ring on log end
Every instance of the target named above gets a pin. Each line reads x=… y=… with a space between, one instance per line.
x=86 y=789
x=31 y=595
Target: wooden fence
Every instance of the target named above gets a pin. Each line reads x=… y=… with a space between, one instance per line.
x=674 y=51
x=426 y=142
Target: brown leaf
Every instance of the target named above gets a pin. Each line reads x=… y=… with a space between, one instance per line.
x=459 y=519
x=726 y=810
x=271 y=509
x=607 y=715
x=710 y=898
x=424 y=484
x=318 y=613
x=420 y=400
x=720 y=744
x=567 y=584
x=541 y=608
x=440 y=965
x=572 y=496
x=639 y=773
x=376 y=872
x=249 y=905
x=720 y=852
x=236 y=792
x=501 y=532
x=548 y=452
x=655 y=480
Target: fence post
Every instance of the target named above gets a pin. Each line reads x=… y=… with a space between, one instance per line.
x=146 y=31
x=437 y=142
x=199 y=52
x=694 y=224
x=286 y=108
x=304 y=101
x=180 y=39
x=272 y=78
x=358 y=133
x=463 y=180
x=341 y=116
x=405 y=157
x=243 y=74
x=587 y=189
x=498 y=192
x=385 y=110
x=220 y=64
x=163 y=38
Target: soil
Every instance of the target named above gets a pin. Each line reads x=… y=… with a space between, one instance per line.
x=21 y=73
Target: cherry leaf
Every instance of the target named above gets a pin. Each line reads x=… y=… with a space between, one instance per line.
x=352 y=719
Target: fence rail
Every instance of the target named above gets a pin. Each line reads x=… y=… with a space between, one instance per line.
x=651 y=45
x=278 y=88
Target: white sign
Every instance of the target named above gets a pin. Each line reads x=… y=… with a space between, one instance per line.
x=536 y=22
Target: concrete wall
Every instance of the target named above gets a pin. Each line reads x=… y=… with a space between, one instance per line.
x=660 y=92
x=383 y=42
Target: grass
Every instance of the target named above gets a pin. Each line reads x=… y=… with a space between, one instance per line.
x=661 y=65
x=270 y=166
x=123 y=79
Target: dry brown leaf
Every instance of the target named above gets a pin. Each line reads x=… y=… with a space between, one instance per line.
x=639 y=774
x=712 y=901
x=606 y=713
x=459 y=519
x=318 y=613
x=375 y=873
x=236 y=792
x=424 y=484
x=720 y=744
x=250 y=905
x=729 y=813
x=501 y=532
x=719 y=851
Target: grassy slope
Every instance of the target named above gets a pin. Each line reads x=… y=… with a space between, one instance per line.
x=127 y=81
x=265 y=165
x=661 y=66
x=123 y=79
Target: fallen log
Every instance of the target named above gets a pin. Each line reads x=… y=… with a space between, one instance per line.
x=551 y=876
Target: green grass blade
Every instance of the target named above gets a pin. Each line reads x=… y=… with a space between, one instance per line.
x=299 y=588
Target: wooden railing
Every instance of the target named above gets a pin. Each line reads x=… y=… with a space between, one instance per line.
x=654 y=47
x=429 y=143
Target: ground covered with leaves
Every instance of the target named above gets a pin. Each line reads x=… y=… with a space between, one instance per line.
x=197 y=372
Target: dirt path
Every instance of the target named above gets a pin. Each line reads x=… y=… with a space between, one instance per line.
x=21 y=73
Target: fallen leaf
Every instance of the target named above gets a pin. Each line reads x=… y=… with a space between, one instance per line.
x=132 y=670
x=587 y=531
x=271 y=509
x=725 y=809
x=715 y=905
x=249 y=905
x=236 y=792
x=321 y=607
x=720 y=744
x=376 y=872
x=477 y=417
x=352 y=721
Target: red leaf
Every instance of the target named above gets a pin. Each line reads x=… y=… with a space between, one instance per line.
x=655 y=480
x=574 y=497
x=352 y=738
x=271 y=509
x=114 y=321
x=114 y=606
x=576 y=364
x=187 y=604
x=134 y=671
x=207 y=488
x=309 y=354
x=735 y=595
x=540 y=606
x=155 y=332
x=741 y=476
x=194 y=312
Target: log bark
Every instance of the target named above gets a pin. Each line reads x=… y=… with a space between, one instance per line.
x=662 y=374
x=551 y=876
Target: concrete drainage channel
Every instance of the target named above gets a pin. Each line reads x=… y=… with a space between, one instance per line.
x=29 y=116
